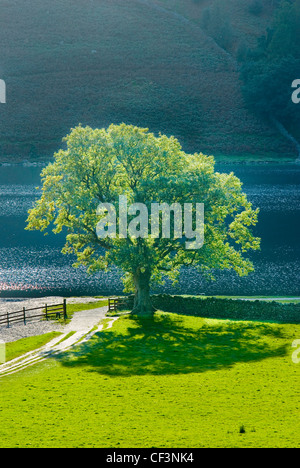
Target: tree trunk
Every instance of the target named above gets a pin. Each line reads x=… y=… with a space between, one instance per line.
x=142 y=301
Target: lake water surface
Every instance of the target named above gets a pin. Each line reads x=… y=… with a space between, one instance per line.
x=32 y=264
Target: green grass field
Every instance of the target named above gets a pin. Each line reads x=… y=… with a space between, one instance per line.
x=169 y=382
x=23 y=346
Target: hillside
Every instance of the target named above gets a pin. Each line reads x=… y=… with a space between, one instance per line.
x=143 y=62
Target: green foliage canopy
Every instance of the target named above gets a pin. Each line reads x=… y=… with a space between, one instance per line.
x=99 y=165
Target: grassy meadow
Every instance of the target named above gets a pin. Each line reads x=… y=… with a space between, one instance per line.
x=173 y=381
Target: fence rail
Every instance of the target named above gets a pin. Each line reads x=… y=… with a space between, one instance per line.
x=28 y=315
x=115 y=303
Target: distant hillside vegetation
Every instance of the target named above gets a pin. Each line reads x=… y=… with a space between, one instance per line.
x=171 y=66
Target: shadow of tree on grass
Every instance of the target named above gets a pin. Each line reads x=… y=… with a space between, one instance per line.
x=163 y=345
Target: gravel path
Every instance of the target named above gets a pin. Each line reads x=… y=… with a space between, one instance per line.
x=19 y=331
x=84 y=325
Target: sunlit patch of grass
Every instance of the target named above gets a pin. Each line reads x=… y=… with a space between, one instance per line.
x=23 y=346
x=171 y=381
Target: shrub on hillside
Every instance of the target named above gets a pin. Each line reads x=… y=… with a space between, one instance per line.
x=216 y=22
x=256 y=7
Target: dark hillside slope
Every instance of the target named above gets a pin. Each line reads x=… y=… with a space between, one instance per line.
x=101 y=61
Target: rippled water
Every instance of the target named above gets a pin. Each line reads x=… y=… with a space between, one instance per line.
x=32 y=265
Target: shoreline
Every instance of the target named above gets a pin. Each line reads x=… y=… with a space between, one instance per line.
x=45 y=299
x=225 y=162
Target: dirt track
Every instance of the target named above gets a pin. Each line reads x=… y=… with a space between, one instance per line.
x=19 y=331
x=84 y=325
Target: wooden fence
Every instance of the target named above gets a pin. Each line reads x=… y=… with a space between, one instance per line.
x=37 y=313
x=115 y=303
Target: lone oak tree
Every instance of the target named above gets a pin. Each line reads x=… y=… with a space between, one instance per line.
x=100 y=165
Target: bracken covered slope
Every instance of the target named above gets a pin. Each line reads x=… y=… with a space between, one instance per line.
x=141 y=62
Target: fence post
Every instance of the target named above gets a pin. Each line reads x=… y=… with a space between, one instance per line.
x=65 y=309
x=46 y=311
x=7 y=317
x=24 y=315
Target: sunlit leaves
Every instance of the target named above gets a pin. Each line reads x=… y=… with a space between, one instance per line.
x=99 y=165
